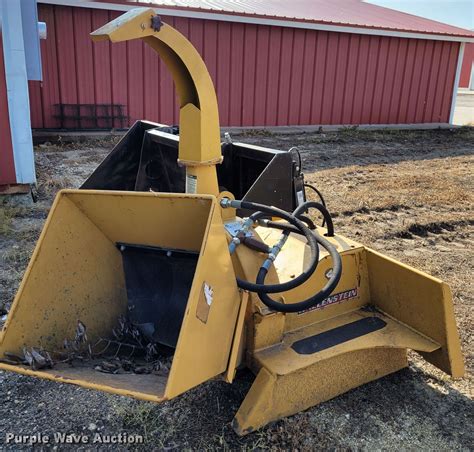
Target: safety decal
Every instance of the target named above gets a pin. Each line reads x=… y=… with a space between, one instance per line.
x=191 y=184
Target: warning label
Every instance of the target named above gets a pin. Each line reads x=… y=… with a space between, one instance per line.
x=191 y=184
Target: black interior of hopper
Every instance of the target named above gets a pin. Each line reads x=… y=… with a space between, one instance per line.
x=158 y=169
x=118 y=171
x=158 y=282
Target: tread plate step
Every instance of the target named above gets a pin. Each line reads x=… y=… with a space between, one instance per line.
x=356 y=330
x=338 y=335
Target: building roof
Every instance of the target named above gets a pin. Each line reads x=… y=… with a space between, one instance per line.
x=342 y=13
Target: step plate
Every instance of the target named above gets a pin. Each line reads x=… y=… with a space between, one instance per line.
x=355 y=330
x=338 y=335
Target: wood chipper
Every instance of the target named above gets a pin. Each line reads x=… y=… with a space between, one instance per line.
x=181 y=260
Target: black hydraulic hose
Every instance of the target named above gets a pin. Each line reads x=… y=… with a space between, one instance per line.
x=316 y=205
x=256 y=245
x=295 y=149
x=288 y=227
x=299 y=225
x=294 y=224
x=316 y=298
x=291 y=228
x=323 y=202
x=314 y=240
x=321 y=197
x=282 y=226
x=307 y=221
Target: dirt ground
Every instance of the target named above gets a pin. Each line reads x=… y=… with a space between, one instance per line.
x=408 y=194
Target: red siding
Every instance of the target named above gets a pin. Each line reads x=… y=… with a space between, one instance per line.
x=307 y=78
x=84 y=64
x=274 y=58
x=467 y=62
x=261 y=76
x=264 y=75
x=249 y=69
x=448 y=89
x=319 y=77
x=44 y=112
x=236 y=68
x=7 y=164
x=296 y=76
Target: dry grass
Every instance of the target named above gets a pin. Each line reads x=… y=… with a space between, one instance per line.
x=68 y=143
x=18 y=257
x=145 y=420
x=403 y=184
x=52 y=185
x=8 y=214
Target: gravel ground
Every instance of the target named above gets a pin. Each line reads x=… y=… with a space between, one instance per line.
x=408 y=194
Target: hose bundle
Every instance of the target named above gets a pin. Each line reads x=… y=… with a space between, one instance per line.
x=296 y=225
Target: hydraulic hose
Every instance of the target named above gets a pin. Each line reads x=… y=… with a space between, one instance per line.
x=316 y=298
x=281 y=226
x=323 y=202
x=293 y=224
x=262 y=210
x=321 y=197
x=307 y=221
x=303 y=207
x=322 y=208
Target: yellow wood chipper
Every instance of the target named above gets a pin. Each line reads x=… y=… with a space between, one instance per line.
x=208 y=253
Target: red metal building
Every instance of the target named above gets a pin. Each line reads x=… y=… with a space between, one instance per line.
x=306 y=62
x=273 y=63
x=466 y=79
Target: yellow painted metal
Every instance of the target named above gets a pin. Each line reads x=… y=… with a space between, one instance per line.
x=199 y=144
x=76 y=274
x=197 y=358
x=273 y=397
x=283 y=360
x=420 y=301
x=62 y=280
x=150 y=388
x=238 y=342
x=416 y=307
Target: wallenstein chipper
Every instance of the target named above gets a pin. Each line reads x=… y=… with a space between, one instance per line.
x=157 y=241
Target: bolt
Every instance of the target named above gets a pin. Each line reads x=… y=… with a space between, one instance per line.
x=225 y=202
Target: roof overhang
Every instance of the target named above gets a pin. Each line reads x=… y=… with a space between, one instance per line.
x=239 y=18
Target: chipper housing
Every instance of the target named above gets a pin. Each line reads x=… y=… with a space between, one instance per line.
x=158 y=236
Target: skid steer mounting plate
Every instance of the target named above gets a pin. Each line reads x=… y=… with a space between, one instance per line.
x=146 y=158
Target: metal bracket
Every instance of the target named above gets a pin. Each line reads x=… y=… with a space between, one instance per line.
x=235 y=227
x=156 y=23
